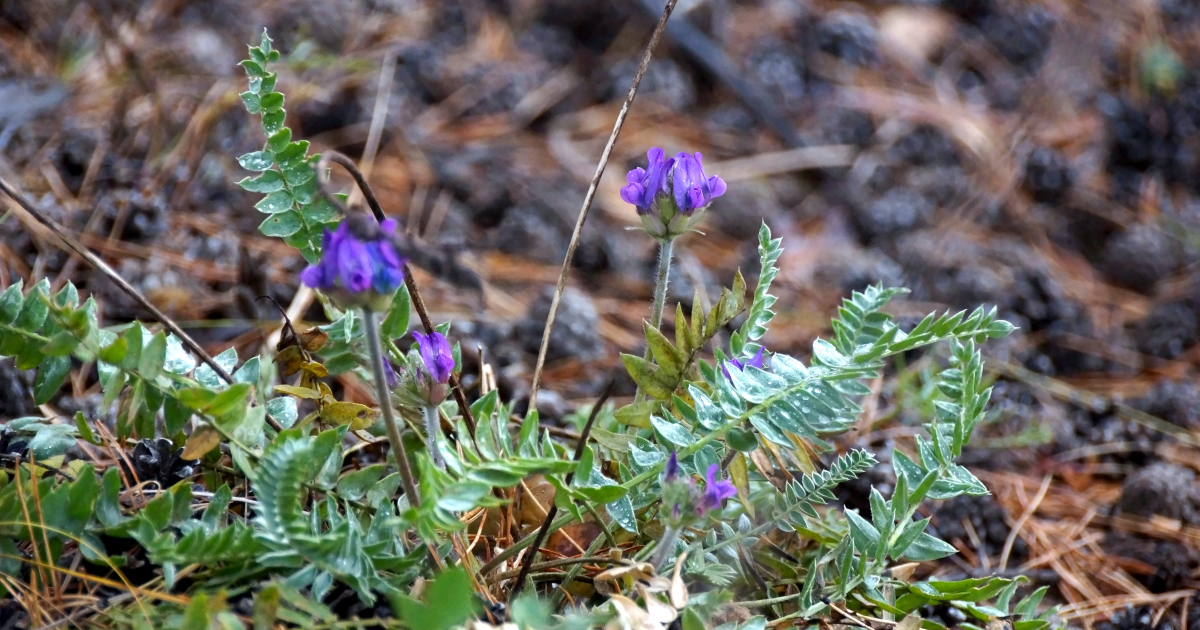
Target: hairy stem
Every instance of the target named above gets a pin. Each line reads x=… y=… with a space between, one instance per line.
x=371 y=328
x=665 y=250
x=433 y=426
x=665 y=546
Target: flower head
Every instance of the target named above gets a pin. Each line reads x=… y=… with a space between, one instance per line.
x=754 y=361
x=646 y=184
x=715 y=492
x=692 y=189
x=359 y=263
x=436 y=354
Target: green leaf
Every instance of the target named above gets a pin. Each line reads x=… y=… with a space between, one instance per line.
x=293 y=154
x=252 y=69
x=272 y=122
x=85 y=430
x=926 y=547
x=10 y=303
x=272 y=102
x=249 y=372
x=282 y=224
x=251 y=101
x=864 y=534
x=395 y=325
x=276 y=202
x=318 y=211
x=268 y=182
x=283 y=409
x=114 y=353
x=355 y=485
x=451 y=602
x=740 y=440
x=279 y=140
x=50 y=376
x=196 y=617
x=177 y=360
x=622 y=514
x=175 y=415
x=108 y=506
x=150 y=365
x=256 y=161
x=52 y=440
x=911 y=531
x=463 y=496
x=672 y=433
x=208 y=377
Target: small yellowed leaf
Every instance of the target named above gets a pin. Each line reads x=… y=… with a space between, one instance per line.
x=317 y=370
x=290 y=360
x=325 y=391
x=299 y=392
x=739 y=473
x=679 y=592
x=200 y=442
x=356 y=415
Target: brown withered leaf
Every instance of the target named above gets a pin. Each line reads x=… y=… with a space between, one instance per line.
x=200 y=442
x=313 y=339
x=290 y=360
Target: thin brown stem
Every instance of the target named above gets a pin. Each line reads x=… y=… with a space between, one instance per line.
x=591 y=194
x=127 y=288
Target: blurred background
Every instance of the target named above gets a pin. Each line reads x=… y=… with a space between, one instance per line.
x=1040 y=157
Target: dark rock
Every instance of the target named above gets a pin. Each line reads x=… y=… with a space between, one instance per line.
x=665 y=81
x=1022 y=36
x=925 y=145
x=530 y=232
x=1172 y=563
x=1177 y=402
x=1130 y=618
x=16 y=395
x=1048 y=176
x=849 y=36
x=1168 y=330
x=777 y=68
x=576 y=327
x=1139 y=257
x=896 y=211
x=1161 y=488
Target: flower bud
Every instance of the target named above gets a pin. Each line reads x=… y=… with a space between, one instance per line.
x=438 y=359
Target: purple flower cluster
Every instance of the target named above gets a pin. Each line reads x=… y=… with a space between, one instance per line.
x=358 y=262
x=669 y=188
x=686 y=500
x=754 y=361
x=437 y=355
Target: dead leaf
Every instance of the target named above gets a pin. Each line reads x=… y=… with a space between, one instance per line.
x=313 y=339
x=356 y=415
x=299 y=392
x=200 y=443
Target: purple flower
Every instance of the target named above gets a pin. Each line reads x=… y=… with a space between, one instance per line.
x=357 y=258
x=692 y=189
x=672 y=471
x=390 y=374
x=754 y=361
x=715 y=492
x=644 y=185
x=436 y=354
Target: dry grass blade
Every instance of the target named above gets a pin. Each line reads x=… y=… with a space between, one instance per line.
x=127 y=288
x=591 y=194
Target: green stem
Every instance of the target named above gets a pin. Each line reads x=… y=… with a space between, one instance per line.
x=371 y=328
x=665 y=546
x=433 y=426
x=665 y=249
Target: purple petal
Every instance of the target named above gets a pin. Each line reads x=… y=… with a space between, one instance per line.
x=757 y=359
x=672 y=469
x=716 y=187
x=354 y=265
x=633 y=193
x=388 y=226
x=313 y=277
